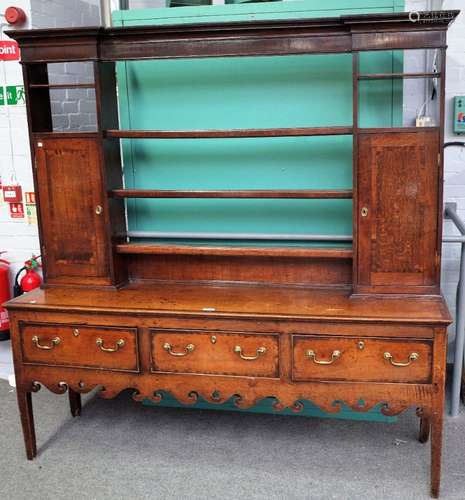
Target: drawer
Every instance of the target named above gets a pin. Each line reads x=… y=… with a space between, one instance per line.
x=221 y=353
x=109 y=348
x=361 y=359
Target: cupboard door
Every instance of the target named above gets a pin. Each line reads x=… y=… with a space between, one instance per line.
x=398 y=176
x=72 y=219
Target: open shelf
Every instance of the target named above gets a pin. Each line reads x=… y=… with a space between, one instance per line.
x=170 y=249
x=231 y=133
x=74 y=134
x=62 y=85
x=254 y=193
x=388 y=76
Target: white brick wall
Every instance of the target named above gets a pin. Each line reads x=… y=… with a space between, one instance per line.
x=61 y=13
x=72 y=110
x=454 y=187
x=16 y=237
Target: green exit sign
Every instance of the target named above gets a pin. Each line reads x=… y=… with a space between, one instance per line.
x=459 y=114
x=15 y=95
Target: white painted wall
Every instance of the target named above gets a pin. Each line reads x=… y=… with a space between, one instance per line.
x=16 y=237
x=454 y=175
x=454 y=186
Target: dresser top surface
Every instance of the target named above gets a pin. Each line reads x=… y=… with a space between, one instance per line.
x=237 y=301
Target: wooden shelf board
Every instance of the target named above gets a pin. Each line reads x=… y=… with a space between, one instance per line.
x=62 y=86
x=164 y=249
x=64 y=135
x=388 y=76
x=231 y=133
x=255 y=193
x=233 y=300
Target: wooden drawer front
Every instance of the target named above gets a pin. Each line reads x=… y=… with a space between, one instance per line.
x=361 y=359
x=80 y=346
x=184 y=351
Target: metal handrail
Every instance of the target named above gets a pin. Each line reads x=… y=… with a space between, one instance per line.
x=451 y=213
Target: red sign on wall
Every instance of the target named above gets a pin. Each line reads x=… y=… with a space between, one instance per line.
x=16 y=210
x=30 y=197
x=9 y=51
x=12 y=194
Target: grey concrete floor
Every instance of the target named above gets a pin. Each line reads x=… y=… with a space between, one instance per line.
x=119 y=449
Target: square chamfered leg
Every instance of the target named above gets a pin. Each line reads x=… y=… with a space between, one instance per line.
x=436 y=452
x=425 y=426
x=27 y=422
x=74 y=403
x=437 y=410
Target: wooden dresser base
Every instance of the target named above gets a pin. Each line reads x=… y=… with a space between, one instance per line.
x=342 y=350
x=227 y=338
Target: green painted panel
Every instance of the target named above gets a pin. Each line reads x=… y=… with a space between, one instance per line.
x=222 y=93
x=311 y=90
x=266 y=406
x=241 y=92
x=250 y=11
x=381 y=101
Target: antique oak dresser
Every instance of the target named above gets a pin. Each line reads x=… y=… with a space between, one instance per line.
x=361 y=324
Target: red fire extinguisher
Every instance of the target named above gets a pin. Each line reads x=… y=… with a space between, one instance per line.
x=4 y=296
x=30 y=280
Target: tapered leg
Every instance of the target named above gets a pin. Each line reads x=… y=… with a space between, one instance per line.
x=74 y=402
x=436 y=451
x=27 y=422
x=437 y=410
x=425 y=424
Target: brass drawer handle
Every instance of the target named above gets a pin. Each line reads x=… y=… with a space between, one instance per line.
x=55 y=342
x=188 y=349
x=260 y=351
x=312 y=355
x=413 y=357
x=119 y=344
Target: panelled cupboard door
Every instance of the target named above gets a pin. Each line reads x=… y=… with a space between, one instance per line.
x=72 y=220
x=398 y=175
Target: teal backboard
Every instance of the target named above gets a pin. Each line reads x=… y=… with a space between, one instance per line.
x=249 y=92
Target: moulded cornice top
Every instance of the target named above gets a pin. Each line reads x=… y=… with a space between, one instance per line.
x=400 y=30
x=368 y=22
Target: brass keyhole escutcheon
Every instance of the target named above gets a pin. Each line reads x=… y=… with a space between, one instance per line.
x=361 y=345
x=364 y=211
x=213 y=339
x=76 y=332
x=98 y=209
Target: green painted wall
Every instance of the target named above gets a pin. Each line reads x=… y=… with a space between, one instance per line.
x=241 y=93
x=313 y=90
